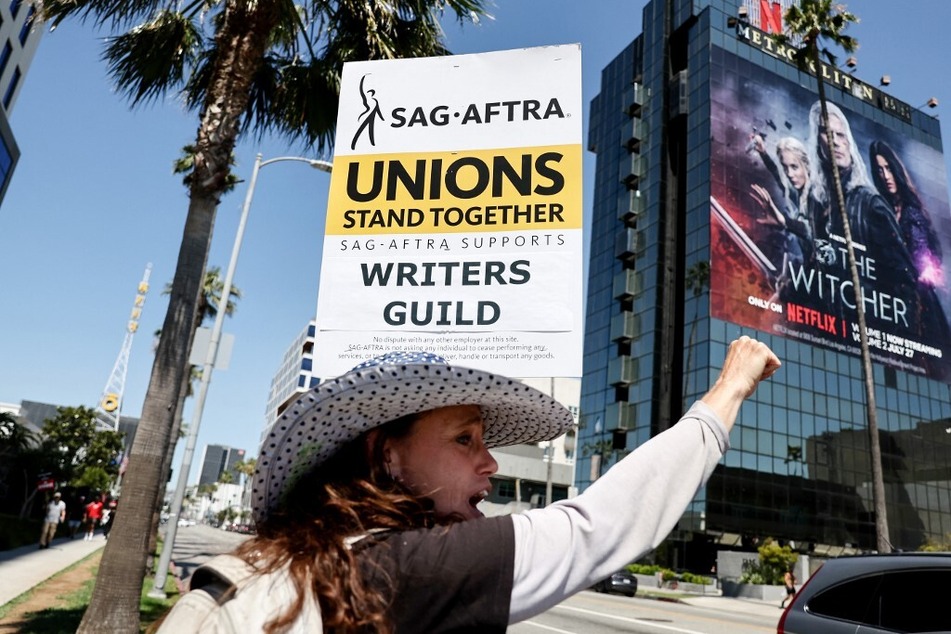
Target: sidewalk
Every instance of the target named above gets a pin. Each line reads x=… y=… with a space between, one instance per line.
x=23 y=568
x=734 y=605
x=715 y=601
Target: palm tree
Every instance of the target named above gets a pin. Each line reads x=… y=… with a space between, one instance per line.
x=698 y=281
x=15 y=438
x=208 y=303
x=20 y=454
x=246 y=467
x=210 y=299
x=265 y=66
x=810 y=22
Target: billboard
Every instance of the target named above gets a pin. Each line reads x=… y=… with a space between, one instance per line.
x=455 y=213
x=778 y=247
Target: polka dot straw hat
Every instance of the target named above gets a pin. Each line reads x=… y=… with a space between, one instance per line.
x=377 y=391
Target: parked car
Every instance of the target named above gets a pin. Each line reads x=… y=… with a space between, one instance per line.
x=867 y=594
x=621 y=582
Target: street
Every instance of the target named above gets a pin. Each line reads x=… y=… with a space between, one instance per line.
x=194 y=545
x=592 y=613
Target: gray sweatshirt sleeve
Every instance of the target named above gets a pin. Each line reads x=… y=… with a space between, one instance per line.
x=569 y=545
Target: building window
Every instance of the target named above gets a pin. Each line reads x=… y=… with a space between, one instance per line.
x=27 y=25
x=11 y=88
x=891 y=377
x=6 y=161
x=15 y=7
x=5 y=57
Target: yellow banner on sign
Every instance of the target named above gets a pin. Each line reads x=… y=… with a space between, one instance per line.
x=509 y=189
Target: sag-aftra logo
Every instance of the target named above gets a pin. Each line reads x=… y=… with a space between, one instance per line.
x=408 y=116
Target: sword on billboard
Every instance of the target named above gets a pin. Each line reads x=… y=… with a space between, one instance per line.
x=742 y=240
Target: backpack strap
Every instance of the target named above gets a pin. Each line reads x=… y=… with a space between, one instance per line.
x=208 y=580
x=220 y=577
x=208 y=607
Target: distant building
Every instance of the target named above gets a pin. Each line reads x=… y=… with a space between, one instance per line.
x=33 y=414
x=217 y=459
x=293 y=378
x=522 y=479
x=19 y=37
x=205 y=508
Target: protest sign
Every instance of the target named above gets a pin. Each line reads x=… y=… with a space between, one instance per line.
x=454 y=219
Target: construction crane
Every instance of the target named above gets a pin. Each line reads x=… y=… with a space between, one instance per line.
x=110 y=403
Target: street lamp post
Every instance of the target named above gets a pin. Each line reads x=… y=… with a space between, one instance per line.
x=161 y=571
x=550 y=452
x=571 y=446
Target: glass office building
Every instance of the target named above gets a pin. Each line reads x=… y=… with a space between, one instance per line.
x=20 y=35
x=217 y=459
x=698 y=129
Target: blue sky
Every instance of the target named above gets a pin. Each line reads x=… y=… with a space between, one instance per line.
x=93 y=200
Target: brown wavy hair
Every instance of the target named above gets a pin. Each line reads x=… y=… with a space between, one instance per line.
x=349 y=495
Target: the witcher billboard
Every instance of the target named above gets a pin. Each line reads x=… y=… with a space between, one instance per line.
x=778 y=250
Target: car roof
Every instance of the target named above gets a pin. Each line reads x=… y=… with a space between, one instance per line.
x=852 y=565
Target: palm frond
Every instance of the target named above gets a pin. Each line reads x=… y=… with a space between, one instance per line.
x=469 y=10
x=812 y=22
x=196 y=87
x=299 y=101
x=112 y=13
x=153 y=57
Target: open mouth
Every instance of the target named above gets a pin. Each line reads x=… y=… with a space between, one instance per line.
x=478 y=497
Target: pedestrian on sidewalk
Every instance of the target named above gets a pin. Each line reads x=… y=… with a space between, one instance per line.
x=109 y=516
x=93 y=515
x=55 y=515
x=366 y=491
x=75 y=512
x=789 y=580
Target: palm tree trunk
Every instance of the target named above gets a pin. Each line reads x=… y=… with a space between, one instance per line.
x=183 y=395
x=878 y=483
x=166 y=465
x=114 y=606
x=241 y=42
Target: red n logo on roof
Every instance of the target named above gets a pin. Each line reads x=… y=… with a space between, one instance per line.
x=770 y=17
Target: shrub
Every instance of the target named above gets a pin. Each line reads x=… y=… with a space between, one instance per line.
x=752 y=574
x=773 y=562
x=667 y=574
x=689 y=577
x=644 y=569
x=937 y=546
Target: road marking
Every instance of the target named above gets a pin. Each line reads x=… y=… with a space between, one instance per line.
x=547 y=627
x=627 y=619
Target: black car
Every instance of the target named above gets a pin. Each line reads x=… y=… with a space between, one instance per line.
x=621 y=582
x=867 y=594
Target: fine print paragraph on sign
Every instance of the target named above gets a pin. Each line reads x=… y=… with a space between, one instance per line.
x=469 y=347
